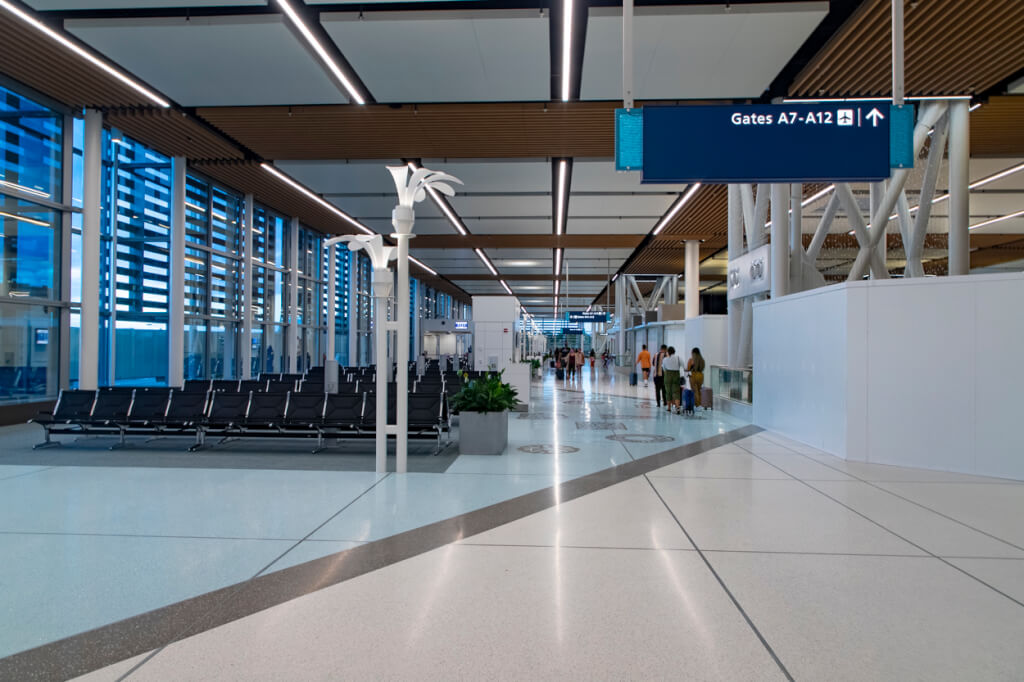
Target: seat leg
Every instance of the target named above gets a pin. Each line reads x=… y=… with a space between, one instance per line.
x=319 y=443
x=47 y=443
x=200 y=441
x=120 y=441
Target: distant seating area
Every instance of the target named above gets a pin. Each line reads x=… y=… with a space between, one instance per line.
x=280 y=406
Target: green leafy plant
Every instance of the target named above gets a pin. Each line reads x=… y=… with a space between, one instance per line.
x=535 y=364
x=485 y=394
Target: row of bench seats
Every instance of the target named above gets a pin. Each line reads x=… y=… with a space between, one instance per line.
x=173 y=412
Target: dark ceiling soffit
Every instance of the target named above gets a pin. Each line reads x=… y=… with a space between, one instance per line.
x=1002 y=86
x=444 y=5
x=839 y=12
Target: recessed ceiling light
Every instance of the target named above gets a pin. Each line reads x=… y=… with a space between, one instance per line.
x=566 y=48
x=320 y=200
x=677 y=207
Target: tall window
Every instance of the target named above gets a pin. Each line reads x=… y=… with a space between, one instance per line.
x=343 y=259
x=31 y=171
x=213 y=290
x=270 y=246
x=312 y=282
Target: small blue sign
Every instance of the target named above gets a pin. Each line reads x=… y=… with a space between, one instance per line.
x=822 y=142
x=629 y=139
x=461 y=325
x=901 y=136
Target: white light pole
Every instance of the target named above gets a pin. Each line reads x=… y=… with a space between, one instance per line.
x=382 y=287
x=412 y=185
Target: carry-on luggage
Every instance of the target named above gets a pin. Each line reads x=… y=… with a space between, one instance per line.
x=706 y=397
x=633 y=379
x=559 y=373
x=687 y=401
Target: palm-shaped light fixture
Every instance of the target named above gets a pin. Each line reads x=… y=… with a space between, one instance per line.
x=412 y=185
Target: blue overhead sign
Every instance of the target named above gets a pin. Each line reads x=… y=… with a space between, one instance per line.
x=588 y=317
x=835 y=141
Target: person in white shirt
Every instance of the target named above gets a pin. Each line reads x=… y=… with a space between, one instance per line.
x=670 y=369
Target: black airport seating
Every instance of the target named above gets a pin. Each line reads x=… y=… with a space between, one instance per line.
x=125 y=411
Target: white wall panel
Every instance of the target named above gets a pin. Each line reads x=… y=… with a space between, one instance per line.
x=920 y=373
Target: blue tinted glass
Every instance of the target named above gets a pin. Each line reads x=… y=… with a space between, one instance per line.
x=31 y=142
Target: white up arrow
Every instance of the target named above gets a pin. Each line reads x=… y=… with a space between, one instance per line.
x=874 y=116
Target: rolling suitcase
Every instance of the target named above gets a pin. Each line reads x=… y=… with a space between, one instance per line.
x=687 y=401
x=559 y=373
x=706 y=398
x=633 y=379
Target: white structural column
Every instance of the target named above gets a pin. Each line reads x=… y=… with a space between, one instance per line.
x=735 y=233
x=291 y=341
x=959 y=193
x=780 y=240
x=245 y=343
x=876 y=190
x=402 y=353
x=382 y=284
x=691 y=275
x=353 y=309
x=621 y=312
x=796 y=240
x=332 y=293
x=92 y=177
x=176 y=307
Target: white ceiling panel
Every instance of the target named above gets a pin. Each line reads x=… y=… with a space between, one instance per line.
x=589 y=254
x=632 y=205
x=509 y=225
x=601 y=176
x=472 y=206
x=212 y=61
x=456 y=56
x=135 y=4
x=610 y=225
x=499 y=175
x=342 y=177
x=696 y=52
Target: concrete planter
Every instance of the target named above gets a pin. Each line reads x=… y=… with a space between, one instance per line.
x=483 y=433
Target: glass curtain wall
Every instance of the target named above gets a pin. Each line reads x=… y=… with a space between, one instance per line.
x=312 y=284
x=343 y=263
x=270 y=246
x=32 y=140
x=213 y=285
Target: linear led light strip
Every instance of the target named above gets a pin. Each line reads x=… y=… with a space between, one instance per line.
x=566 y=48
x=563 y=169
x=676 y=208
x=84 y=54
x=558 y=262
x=320 y=200
x=320 y=50
x=487 y=261
x=824 y=100
x=505 y=284
x=1011 y=216
x=974 y=185
x=443 y=205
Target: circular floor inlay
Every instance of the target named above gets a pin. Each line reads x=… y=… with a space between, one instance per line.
x=640 y=438
x=548 y=449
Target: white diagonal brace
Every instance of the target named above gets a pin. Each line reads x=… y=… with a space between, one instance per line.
x=640 y=302
x=824 y=225
x=853 y=214
x=931 y=176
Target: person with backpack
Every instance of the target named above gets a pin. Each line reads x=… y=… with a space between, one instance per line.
x=670 y=370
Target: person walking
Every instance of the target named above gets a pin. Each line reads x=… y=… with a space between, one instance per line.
x=593 y=358
x=570 y=363
x=696 y=369
x=644 y=358
x=659 y=375
x=580 y=361
x=670 y=368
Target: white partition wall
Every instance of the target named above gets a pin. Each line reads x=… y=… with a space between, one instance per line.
x=918 y=372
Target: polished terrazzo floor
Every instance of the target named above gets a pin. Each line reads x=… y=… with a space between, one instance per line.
x=758 y=559
x=91 y=536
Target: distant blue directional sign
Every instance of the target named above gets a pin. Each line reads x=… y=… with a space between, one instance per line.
x=834 y=141
x=588 y=317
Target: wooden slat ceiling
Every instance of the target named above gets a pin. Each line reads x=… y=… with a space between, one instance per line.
x=173 y=133
x=997 y=128
x=951 y=47
x=481 y=130
x=57 y=72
